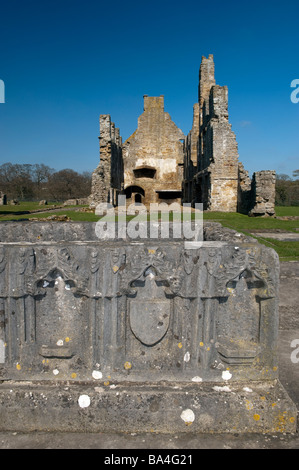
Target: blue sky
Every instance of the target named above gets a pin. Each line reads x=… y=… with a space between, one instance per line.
x=66 y=62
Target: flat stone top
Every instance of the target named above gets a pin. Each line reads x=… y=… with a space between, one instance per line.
x=27 y=232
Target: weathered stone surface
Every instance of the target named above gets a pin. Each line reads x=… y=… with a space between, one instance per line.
x=263 y=189
x=107 y=178
x=153 y=156
x=142 y=329
x=160 y=407
x=212 y=173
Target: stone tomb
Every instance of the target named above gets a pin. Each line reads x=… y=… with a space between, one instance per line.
x=138 y=335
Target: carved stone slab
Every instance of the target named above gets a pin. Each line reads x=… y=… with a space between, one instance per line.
x=128 y=312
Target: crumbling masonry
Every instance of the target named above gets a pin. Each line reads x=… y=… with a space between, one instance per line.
x=158 y=163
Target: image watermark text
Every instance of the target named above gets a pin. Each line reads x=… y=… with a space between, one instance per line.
x=159 y=220
x=295 y=93
x=295 y=352
x=2 y=92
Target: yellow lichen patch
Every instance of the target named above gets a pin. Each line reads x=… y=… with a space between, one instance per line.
x=74 y=375
x=67 y=339
x=151 y=251
x=273 y=404
x=292 y=419
x=180 y=345
x=201 y=344
x=275 y=368
x=248 y=405
x=115 y=268
x=18 y=366
x=107 y=383
x=127 y=365
x=256 y=417
x=281 y=422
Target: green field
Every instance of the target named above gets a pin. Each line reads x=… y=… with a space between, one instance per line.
x=287 y=250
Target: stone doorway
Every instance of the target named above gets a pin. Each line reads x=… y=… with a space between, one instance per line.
x=135 y=193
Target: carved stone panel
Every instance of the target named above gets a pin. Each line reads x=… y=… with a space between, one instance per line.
x=239 y=319
x=137 y=311
x=150 y=312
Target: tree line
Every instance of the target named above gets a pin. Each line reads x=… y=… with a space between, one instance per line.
x=28 y=182
x=38 y=181
x=287 y=189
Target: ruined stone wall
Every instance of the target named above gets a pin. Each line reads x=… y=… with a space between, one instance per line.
x=263 y=193
x=3 y=199
x=190 y=156
x=215 y=182
x=224 y=154
x=212 y=174
x=157 y=163
x=244 y=190
x=107 y=178
x=206 y=82
x=256 y=196
x=153 y=156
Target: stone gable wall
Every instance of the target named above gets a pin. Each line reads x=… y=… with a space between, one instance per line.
x=157 y=145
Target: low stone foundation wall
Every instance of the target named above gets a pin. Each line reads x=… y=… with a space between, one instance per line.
x=138 y=335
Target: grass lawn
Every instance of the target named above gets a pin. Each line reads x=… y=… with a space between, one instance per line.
x=287 y=210
x=240 y=222
x=287 y=251
x=9 y=210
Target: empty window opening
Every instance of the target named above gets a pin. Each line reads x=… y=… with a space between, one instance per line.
x=145 y=172
x=169 y=194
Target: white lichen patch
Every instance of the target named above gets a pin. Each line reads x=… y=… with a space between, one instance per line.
x=55 y=371
x=226 y=375
x=247 y=389
x=96 y=374
x=225 y=388
x=188 y=416
x=187 y=357
x=84 y=401
x=196 y=379
x=2 y=351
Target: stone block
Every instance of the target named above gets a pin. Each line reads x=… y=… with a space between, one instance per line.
x=134 y=335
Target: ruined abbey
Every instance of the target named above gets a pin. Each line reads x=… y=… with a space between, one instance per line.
x=158 y=163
